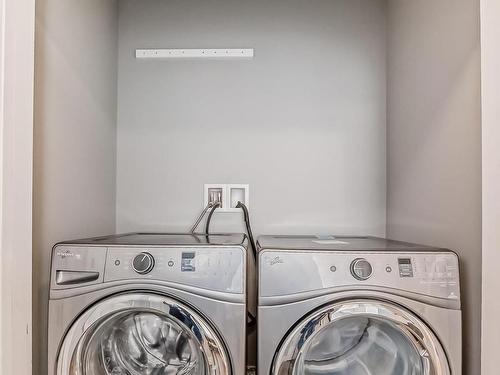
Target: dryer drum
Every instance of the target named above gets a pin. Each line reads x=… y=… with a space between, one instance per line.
x=361 y=338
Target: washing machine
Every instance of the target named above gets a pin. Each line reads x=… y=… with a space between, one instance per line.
x=357 y=306
x=146 y=303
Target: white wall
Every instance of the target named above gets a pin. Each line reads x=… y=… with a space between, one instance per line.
x=490 y=32
x=75 y=133
x=434 y=139
x=16 y=162
x=303 y=123
x=2 y=96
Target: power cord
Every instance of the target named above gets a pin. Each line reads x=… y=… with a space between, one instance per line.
x=252 y=320
x=246 y=215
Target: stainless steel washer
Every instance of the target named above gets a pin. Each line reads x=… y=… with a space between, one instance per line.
x=146 y=303
x=357 y=306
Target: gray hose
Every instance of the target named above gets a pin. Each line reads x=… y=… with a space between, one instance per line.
x=209 y=218
x=200 y=218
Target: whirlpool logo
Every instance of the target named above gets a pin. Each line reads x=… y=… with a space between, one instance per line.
x=67 y=254
x=275 y=260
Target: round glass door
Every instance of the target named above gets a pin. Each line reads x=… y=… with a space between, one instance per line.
x=138 y=342
x=361 y=338
x=142 y=334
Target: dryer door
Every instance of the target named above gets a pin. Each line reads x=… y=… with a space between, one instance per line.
x=361 y=337
x=142 y=334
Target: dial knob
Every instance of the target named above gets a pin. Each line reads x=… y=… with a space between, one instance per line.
x=361 y=269
x=143 y=263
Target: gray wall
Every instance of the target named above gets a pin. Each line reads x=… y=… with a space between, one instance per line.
x=75 y=135
x=303 y=123
x=434 y=139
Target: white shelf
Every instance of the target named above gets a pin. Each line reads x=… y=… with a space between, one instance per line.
x=217 y=53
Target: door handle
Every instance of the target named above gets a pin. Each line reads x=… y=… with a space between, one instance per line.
x=75 y=277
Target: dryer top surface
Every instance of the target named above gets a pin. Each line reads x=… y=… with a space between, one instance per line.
x=338 y=243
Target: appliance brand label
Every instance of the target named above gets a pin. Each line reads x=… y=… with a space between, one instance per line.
x=67 y=254
x=275 y=260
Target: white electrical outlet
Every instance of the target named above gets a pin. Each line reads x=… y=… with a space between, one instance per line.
x=238 y=193
x=227 y=194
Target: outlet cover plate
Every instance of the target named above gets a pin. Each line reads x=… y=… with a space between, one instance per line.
x=231 y=194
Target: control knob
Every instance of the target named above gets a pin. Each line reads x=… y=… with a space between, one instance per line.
x=361 y=269
x=143 y=263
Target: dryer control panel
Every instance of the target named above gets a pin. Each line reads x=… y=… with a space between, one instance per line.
x=220 y=269
x=288 y=272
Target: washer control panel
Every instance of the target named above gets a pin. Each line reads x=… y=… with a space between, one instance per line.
x=219 y=269
x=213 y=268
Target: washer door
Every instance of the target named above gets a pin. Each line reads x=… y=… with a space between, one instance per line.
x=142 y=334
x=361 y=337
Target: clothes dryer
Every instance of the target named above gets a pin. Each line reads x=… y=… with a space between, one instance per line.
x=357 y=306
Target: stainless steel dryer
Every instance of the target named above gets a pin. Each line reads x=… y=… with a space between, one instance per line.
x=357 y=306
x=148 y=304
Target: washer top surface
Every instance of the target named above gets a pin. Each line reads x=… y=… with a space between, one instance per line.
x=338 y=243
x=164 y=239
